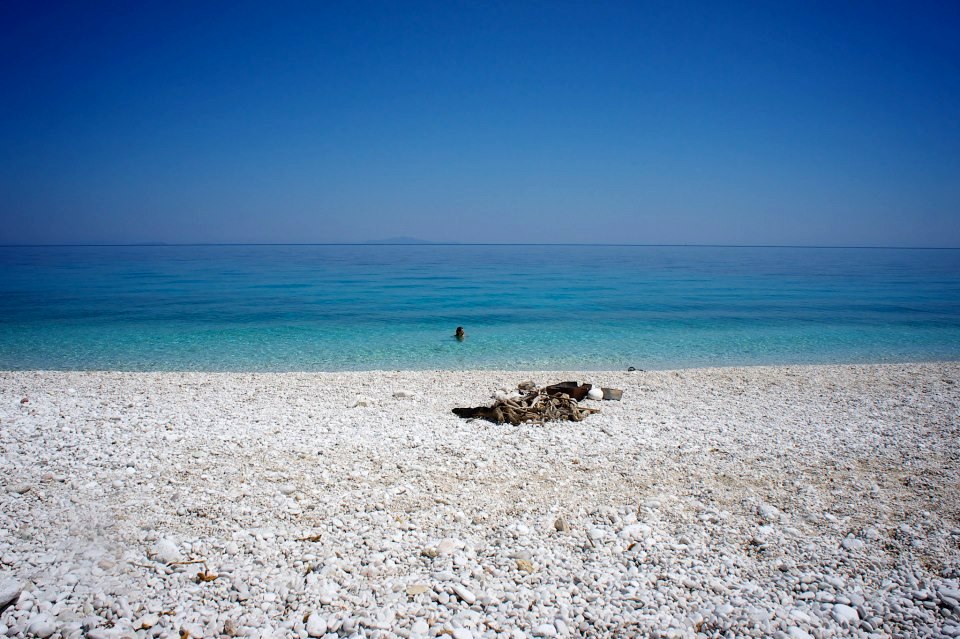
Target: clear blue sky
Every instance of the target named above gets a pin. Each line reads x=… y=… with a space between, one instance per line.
x=670 y=122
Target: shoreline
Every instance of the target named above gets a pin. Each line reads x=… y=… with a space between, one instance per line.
x=513 y=371
x=808 y=500
x=545 y=372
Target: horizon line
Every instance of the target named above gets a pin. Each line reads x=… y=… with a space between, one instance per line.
x=429 y=243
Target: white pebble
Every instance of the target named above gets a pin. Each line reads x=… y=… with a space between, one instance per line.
x=166 y=551
x=42 y=626
x=635 y=531
x=545 y=630
x=316 y=625
x=845 y=614
x=468 y=597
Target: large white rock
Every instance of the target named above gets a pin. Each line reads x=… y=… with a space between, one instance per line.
x=635 y=531
x=845 y=614
x=42 y=626
x=545 y=630
x=147 y=621
x=448 y=546
x=595 y=393
x=9 y=592
x=166 y=551
x=316 y=625
x=952 y=593
x=420 y=628
x=768 y=513
x=852 y=543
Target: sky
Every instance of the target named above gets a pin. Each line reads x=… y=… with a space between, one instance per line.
x=796 y=123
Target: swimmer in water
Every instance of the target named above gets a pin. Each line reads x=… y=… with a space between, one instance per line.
x=460 y=334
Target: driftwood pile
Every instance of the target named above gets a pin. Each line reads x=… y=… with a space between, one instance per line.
x=534 y=405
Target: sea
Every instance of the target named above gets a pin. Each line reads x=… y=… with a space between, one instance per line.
x=526 y=307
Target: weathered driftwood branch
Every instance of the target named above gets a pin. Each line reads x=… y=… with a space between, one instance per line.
x=537 y=406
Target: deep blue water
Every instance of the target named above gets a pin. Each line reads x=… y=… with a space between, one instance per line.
x=280 y=308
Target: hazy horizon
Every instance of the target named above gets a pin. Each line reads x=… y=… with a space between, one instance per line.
x=605 y=123
x=417 y=242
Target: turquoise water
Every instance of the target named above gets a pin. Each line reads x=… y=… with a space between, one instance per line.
x=279 y=308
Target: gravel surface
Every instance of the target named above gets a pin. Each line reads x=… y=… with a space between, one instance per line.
x=740 y=502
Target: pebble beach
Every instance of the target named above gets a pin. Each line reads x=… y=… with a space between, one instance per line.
x=790 y=502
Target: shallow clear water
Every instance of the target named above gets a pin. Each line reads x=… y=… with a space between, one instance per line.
x=530 y=307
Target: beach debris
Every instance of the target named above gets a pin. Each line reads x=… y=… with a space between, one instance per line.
x=206 y=575
x=230 y=628
x=503 y=393
x=612 y=394
x=203 y=575
x=25 y=401
x=573 y=389
x=595 y=394
x=525 y=565
x=557 y=402
x=311 y=538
